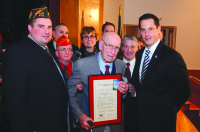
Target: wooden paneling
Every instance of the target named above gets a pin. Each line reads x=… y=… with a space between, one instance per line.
x=79 y=13
x=69 y=10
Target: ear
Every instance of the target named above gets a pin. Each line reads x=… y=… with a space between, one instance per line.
x=140 y=32
x=56 y=52
x=29 y=28
x=159 y=28
x=53 y=33
x=100 y=44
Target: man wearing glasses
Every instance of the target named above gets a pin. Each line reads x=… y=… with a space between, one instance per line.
x=109 y=47
x=88 y=39
x=64 y=53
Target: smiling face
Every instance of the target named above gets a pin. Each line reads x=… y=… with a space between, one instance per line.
x=60 y=31
x=64 y=53
x=90 y=41
x=109 y=39
x=129 y=49
x=41 y=31
x=149 y=32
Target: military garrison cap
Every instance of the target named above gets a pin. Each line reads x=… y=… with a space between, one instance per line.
x=41 y=12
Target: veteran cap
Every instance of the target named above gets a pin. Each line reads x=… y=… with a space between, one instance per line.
x=63 y=41
x=41 y=12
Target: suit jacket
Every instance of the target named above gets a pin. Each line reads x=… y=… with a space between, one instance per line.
x=34 y=91
x=165 y=88
x=83 y=68
x=75 y=48
x=129 y=104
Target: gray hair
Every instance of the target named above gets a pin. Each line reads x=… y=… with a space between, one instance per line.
x=130 y=37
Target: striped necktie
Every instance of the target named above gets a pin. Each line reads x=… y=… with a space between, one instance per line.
x=145 y=65
x=66 y=74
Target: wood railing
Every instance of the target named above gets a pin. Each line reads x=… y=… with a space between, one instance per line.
x=195 y=94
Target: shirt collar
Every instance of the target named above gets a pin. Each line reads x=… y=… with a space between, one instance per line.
x=68 y=65
x=36 y=42
x=102 y=64
x=153 y=47
x=131 y=62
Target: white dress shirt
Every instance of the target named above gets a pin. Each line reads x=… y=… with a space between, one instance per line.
x=102 y=64
x=132 y=65
x=152 y=50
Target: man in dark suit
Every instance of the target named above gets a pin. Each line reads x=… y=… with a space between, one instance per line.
x=34 y=87
x=59 y=30
x=129 y=49
x=93 y=65
x=164 y=87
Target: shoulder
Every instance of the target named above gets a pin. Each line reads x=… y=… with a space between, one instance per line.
x=119 y=62
x=75 y=48
x=88 y=60
x=169 y=52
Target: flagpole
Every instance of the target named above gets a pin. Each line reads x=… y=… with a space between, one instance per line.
x=120 y=23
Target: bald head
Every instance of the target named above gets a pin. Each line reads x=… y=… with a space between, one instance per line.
x=112 y=37
x=109 y=46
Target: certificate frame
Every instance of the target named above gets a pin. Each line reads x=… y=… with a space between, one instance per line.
x=91 y=98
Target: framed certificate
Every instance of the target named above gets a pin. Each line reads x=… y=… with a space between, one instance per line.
x=104 y=99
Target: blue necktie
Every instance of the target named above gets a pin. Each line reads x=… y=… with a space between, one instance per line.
x=145 y=65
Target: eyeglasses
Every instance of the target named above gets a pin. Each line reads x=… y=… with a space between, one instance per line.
x=87 y=37
x=64 y=50
x=111 y=47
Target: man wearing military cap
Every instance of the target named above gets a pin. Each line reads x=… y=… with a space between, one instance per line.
x=34 y=85
x=64 y=53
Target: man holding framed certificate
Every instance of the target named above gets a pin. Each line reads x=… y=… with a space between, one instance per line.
x=104 y=62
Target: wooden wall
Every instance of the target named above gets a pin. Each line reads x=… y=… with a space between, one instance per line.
x=79 y=13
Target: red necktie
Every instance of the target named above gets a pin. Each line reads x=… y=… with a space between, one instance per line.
x=128 y=72
x=107 y=69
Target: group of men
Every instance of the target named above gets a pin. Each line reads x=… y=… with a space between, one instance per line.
x=38 y=83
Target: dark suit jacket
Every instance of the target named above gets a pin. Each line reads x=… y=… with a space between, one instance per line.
x=165 y=88
x=34 y=91
x=129 y=112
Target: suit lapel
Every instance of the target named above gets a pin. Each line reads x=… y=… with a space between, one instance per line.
x=154 y=59
x=46 y=56
x=137 y=65
x=95 y=65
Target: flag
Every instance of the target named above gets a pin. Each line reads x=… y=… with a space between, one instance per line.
x=120 y=23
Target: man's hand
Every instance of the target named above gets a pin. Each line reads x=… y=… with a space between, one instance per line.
x=131 y=89
x=123 y=87
x=83 y=121
x=79 y=86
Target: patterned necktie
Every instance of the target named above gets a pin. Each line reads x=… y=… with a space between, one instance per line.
x=145 y=65
x=47 y=50
x=128 y=72
x=107 y=69
x=66 y=74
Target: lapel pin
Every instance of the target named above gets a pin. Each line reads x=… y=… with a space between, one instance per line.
x=156 y=56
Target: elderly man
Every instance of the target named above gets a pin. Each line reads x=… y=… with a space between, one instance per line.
x=34 y=86
x=129 y=49
x=109 y=47
x=160 y=78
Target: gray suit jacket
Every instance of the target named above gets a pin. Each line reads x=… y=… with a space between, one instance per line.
x=82 y=69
